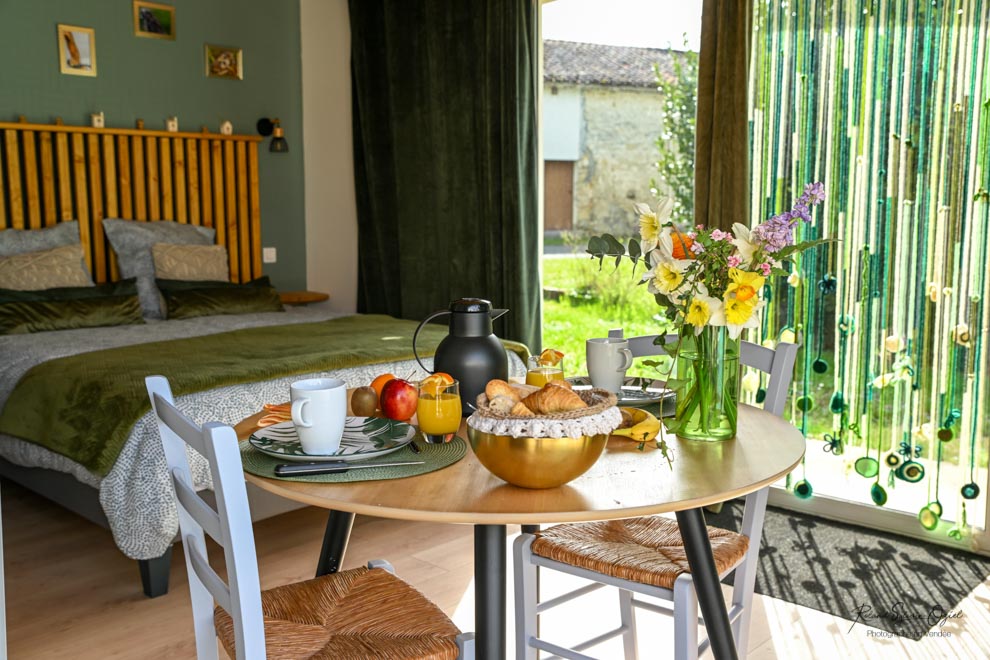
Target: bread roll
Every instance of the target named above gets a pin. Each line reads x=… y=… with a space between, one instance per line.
x=553 y=399
x=496 y=388
x=560 y=383
x=501 y=404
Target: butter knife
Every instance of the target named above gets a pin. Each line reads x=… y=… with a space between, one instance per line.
x=331 y=467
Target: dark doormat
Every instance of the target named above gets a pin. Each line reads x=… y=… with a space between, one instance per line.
x=890 y=582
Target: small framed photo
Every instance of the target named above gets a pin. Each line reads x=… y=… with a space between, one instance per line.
x=224 y=62
x=154 y=20
x=77 y=50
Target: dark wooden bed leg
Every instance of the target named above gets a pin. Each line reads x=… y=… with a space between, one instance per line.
x=154 y=574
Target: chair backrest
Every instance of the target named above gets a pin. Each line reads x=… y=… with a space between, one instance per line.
x=229 y=525
x=777 y=363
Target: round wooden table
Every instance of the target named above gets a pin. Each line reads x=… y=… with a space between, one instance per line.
x=624 y=483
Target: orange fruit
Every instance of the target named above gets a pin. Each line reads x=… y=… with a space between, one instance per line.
x=550 y=357
x=436 y=383
x=378 y=384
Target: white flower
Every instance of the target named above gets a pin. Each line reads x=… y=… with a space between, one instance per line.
x=794 y=279
x=651 y=222
x=666 y=276
x=750 y=382
x=787 y=336
x=743 y=244
x=894 y=344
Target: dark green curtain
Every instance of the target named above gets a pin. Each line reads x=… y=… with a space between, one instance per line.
x=445 y=156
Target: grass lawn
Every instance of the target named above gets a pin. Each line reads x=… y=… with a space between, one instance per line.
x=594 y=303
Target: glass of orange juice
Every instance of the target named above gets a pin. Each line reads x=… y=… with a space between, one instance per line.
x=439 y=409
x=540 y=371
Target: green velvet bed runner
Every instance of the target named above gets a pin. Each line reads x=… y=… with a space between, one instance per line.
x=85 y=405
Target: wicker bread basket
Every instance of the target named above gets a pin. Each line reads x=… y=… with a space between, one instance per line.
x=597 y=400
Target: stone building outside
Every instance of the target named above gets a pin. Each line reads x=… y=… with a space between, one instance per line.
x=601 y=120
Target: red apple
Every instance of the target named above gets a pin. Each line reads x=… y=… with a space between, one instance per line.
x=399 y=399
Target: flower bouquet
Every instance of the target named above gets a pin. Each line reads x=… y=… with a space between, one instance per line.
x=711 y=285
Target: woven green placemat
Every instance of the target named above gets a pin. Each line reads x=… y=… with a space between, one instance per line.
x=434 y=457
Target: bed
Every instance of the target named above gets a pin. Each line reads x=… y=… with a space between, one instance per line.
x=56 y=174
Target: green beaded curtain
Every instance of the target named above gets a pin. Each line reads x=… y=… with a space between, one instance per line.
x=887 y=103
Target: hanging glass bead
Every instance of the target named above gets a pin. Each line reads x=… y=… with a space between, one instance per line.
x=945 y=435
x=878 y=495
x=761 y=395
x=819 y=366
x=928 y=518
x=803 y=489
x=867 y=466
x=837 y=403
x=911 y=472
x=804 y=403
x=970 y=491
x=893 y=460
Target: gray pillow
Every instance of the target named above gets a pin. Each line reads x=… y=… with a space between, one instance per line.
x=19 y=241
x=132 y=241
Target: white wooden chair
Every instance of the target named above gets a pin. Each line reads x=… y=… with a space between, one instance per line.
x=360 y=613
x=576 y=548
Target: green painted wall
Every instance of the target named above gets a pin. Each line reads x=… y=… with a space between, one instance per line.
x=152 y=79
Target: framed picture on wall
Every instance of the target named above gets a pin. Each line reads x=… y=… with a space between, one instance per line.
x=77 y=50
x=224 y=62
x=154 y=20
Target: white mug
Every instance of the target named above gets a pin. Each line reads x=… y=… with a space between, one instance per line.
x=319 y=410
x=608 y=360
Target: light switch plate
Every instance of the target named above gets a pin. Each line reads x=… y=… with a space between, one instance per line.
x=269 y=255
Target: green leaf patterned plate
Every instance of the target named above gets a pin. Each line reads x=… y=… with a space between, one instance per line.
x=364 y=437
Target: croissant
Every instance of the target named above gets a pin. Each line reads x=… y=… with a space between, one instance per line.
x=560 y=383
x=498 y=387
x=553 y=399
x=520 y=410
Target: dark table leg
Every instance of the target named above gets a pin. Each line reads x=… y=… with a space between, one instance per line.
x=489 y=591
x=334 y=542
x=698 y=549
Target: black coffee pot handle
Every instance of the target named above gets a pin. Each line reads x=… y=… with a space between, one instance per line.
x=416 y=334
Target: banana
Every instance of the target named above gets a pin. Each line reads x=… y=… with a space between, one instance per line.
x=645 y=426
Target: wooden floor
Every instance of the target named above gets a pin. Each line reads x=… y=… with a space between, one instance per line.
x=72 y=594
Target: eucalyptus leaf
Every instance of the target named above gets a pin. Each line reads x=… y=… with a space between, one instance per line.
x=801 y=247
x=635 y=252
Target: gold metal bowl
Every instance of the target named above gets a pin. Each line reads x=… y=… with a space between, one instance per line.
x=536 y=462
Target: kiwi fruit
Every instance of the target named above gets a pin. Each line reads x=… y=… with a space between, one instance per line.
x=364 y=402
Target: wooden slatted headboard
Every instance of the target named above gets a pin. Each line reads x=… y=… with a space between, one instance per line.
x=52 y=173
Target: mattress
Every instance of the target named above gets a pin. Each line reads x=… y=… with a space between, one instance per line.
x=136 y=494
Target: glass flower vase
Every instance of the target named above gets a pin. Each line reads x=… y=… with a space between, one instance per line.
x=706 y=385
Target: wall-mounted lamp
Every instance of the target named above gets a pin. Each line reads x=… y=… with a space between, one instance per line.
x=272 y=127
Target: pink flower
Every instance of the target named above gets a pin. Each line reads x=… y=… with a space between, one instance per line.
x=697 y=248
x=719 y=235
x=692 y=235
x=766 y=268
x=734 y=261
x=699 y=227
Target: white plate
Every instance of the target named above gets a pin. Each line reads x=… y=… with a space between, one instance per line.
x=364 y=438
x=636 y=391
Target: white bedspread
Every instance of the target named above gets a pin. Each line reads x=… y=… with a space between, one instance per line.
x=136 y=494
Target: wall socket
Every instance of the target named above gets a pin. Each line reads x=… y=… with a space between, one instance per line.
x=269 y=255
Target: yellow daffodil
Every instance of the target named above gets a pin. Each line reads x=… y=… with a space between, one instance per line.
x=744 y=286
x=665 y=277
x=737 y=311
x=651 y=222
x=788 y=337
x=704 y=310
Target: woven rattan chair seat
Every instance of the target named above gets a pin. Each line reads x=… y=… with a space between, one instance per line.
x=645 y=550
x=356 y=614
